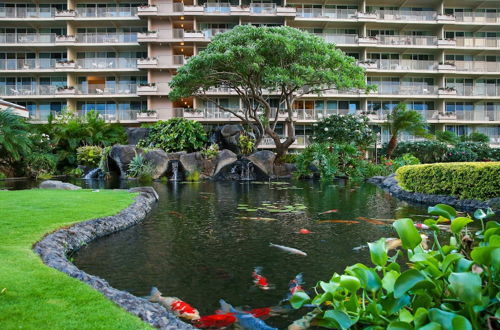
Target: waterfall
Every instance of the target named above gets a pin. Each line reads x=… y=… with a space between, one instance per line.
x=246 y=171
x=93 y=174
x=175 y=171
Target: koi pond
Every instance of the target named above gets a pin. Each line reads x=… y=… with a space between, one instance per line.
x=202 y=241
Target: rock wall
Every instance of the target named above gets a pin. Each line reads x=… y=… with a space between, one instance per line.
x=391 y=185
x=54 y=248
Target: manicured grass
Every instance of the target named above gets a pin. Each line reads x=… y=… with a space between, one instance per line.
x=39 y=297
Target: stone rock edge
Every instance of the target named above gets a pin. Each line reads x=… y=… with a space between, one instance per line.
x=390 y=184
x=54 y=248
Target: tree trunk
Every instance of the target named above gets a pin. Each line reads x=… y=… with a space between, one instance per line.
x=393 y=142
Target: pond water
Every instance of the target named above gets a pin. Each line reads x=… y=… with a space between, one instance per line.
x=200 y=244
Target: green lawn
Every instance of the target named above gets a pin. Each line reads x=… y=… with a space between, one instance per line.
x=36 y=296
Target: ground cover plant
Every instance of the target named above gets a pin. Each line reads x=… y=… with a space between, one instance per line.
x=444 y=286
x=35 y=296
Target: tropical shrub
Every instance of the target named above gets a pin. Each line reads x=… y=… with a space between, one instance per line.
x=289 y=158
x=447 y=137
x=14 y=137
x=475 y=137
x=103 y=162
x=461 y=154
x=425 y=151
x=246 y=144
x=75 y=172
x=483 y=150
x=210 y=152
x=140 y=168
x=175 y=134
x=317 y=156
x=344 y=129
x=89 y=156
x=40 y=165
x=2 y=176
x=452 y=286
x=403 y=160
x=463 y=180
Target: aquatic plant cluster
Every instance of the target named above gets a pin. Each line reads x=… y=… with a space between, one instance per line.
x=452 y=286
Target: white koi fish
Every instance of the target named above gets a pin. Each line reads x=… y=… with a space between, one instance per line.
x=288 y=249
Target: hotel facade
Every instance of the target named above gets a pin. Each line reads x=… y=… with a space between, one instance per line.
x=440 y=57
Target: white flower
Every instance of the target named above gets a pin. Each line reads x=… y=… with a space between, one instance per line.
x=326 y=129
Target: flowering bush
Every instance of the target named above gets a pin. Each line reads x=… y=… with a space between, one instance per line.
x=344 y=129
x=461 y=154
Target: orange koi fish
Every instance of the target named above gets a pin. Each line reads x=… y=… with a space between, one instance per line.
x=260 y=280
x=349 y=222
x=179 y=307
x=330 y=211
x=373 y=221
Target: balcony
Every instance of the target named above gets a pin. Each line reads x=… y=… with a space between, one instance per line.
x=301 y=141
x=406 y=15
x=217 y=8
x=477 y=115
x=207 y=113
x=27 y=13
x=117 y=12
x=478 y=42
x=323 y=13
x=404 y=40
x=401 y=89
x=263 y=8
x=171 y=61
x=97 y=64
x=27 y=38
x=477 y=66
x=117 y=89
x=27 y=64
x=27 y=90
x=113 y=115
x=106 y=38
x=147 y=63
x=477 y=17
x=400 y=65
x=491 y=90
x=339 y=39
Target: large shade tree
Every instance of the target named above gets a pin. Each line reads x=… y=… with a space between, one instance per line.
x=405 y=120
x=258 y=63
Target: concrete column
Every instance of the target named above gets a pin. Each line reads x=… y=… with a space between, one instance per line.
x=440 y=8
x=441 y=56
x=440 y=106
x=71 y=54
x=362 y=6
x=71 y=105
x=364 y=104
x=71 y=4
x=364 y=31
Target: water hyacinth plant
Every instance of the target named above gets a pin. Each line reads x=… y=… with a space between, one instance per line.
x=452 y=286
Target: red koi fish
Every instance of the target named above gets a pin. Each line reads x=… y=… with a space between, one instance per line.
x=295 y=284
x=260 y=280
x=261 y=313
x=179 y=307
x=304 y=231
x=330 y=211
x=215 y=321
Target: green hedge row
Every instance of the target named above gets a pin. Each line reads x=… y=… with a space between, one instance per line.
x=478 y=180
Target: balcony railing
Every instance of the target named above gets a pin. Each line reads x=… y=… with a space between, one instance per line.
x=32 y=12
x=479 y=66
x=112 y=115
x=478 y=42
x=106 y=63
x=326 y=13
x=27 y=38
x=477 y=17
x=405 y=64
x=217 y=8
x=107 y=12
x=406 y=15
x=339 y=39
x=395 y=89
x=300 y=140
x=172 y=60
x=24 y=90
x=102 y=38
x=27 y=64
x=477 y=90
x=107 y=89
x=407 y=40
x=263 y=8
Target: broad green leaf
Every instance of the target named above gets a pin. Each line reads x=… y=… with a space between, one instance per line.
x=409 y=235
x=466 y=286
x=420 y=317
x=368 y=277
x=479 y=214
x=490 y=232
x=459 y=223
x=447 y=319
x=408 y=280
x=389 y=280
x=298 y=299
x=405 y=316
x=393 y=305
x=321 y=298
x=449 y=260
x=443 y=210
x=494 y=241
x=341 y=318
x=492 y=224
x=378 y=252
x=329 y=286
x=431 y=326
x=351 y=283
x=399 y=325
x=486 y=255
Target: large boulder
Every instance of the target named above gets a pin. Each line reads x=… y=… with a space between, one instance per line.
x=122 y=155
x=191 y=162
x=58 y=185
x=230 y=137
x=135 y=134
x=224 y=158
x=160 y=161
x=284 y=170
x=263 y=159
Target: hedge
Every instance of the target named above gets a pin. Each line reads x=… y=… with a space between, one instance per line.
x=478 y=180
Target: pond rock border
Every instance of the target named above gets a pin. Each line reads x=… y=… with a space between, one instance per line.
x=54 y=248
x=390 y=184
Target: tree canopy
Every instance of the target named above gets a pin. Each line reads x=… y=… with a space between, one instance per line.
x=268 y=68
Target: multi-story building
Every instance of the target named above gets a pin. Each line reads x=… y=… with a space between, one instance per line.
x=440 y=57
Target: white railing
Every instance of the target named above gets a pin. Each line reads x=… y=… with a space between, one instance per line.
x=406 y=65
x=106 y=63
x=339 y=39
x=478 y=42
x=107 y=89
x=107 y=12
x=263 y=8
x=23 y=90
x=326 y=12
x=209 y=33
x=407 y=40
x=112 y=115
x=206 y=113
x=99 y=38
x=171 y=60
x=406 y=15
x=31 y=12
x=395 y=89
x=216 y=7
x=477 y=17
x=27 y=38
x=480 y=66
x=476 y=89
x=27 y=64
